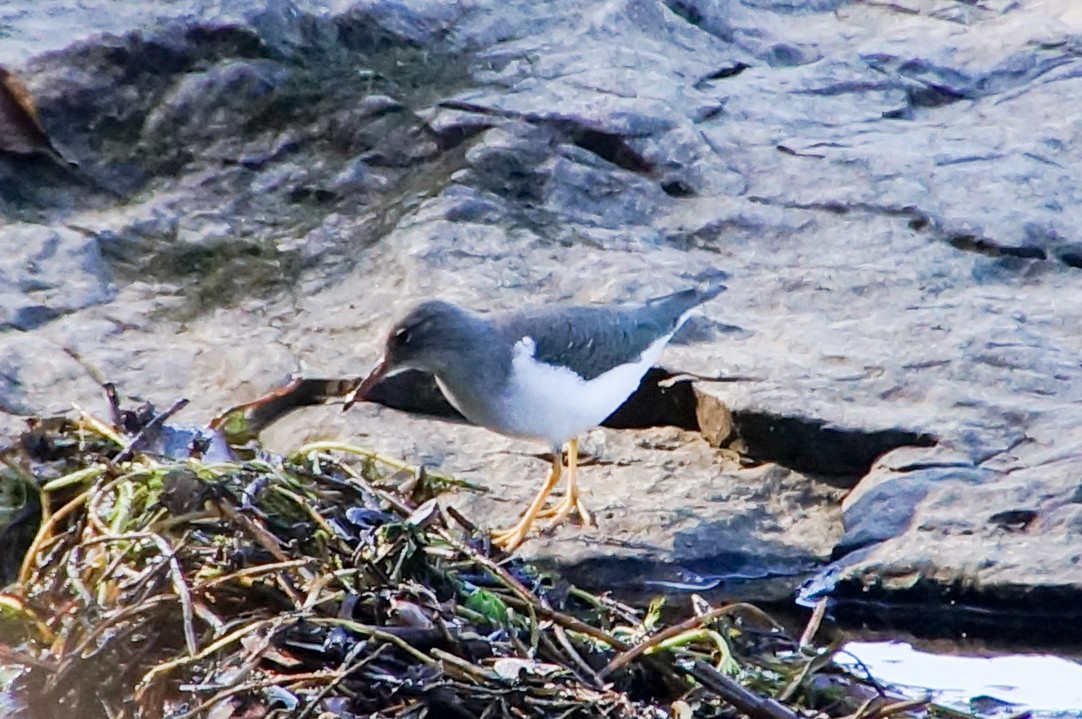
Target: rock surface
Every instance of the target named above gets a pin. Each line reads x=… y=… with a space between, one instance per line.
x=892 y=186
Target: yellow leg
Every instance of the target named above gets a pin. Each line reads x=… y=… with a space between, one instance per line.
x=508 y=539
x=571 y=501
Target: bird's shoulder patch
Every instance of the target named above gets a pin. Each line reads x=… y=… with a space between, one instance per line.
x=526 y=347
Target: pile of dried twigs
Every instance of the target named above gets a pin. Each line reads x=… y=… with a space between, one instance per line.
x=330 y=583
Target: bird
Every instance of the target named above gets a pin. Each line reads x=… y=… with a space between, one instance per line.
x=546 y=372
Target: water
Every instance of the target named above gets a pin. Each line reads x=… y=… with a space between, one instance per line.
x=8 y=705
x=1048 y=686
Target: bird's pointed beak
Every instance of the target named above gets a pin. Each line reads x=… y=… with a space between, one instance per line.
x=360 y=393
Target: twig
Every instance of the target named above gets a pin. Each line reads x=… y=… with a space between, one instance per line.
x=250 y=572
x=862 y=710
x=266 y=540
x=179 y=585
x=868 y=676
x=569 y=622
x=117 y=565
x=397 y=505
x=306 y=506
x=586 y=669
x=746 y=701
x=72 y=478
x=888 y=710
x=758 y=614
x=109 y=388
x=211 y=648
x=458 y=517
x=115 y=618
x=250 y=687
x=816 y=663
x=168 y=521
x=71 y=566
x=526 y=598
x=936 y=709
x=468 y=668
x=350 y=665
x=375 y=633
x=204 y=612
x=625 y=658
x=606 y=603
x=813 y=623
x=97 y=426
x=44 y=531
x=396 y=464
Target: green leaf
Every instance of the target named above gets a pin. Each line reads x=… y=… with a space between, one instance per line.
x=490 y=605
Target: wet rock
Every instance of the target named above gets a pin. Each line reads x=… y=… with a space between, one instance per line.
x=891 y=186
x=888 y=508
x=47 y=272
x=976 y=537
x=357 y=176
x=218 y=102
x=29 y=367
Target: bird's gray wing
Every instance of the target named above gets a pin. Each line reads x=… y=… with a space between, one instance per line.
x=591 y=340
x=587 y=340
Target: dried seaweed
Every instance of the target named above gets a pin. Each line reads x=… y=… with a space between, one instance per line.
x=331 y=582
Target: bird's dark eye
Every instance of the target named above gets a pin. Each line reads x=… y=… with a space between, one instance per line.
x=400 y=336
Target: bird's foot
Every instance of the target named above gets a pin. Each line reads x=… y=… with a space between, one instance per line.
x=510 y=538
x=559 y=512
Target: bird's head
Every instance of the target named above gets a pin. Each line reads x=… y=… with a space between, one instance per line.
x=428 y=337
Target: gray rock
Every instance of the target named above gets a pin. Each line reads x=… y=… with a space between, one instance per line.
x=357 y=176
x=47 y=272
x=30 y=366
x=884 y=504
x=893 y=188
x=218 y=102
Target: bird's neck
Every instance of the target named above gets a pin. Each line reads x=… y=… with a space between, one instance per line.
x=481 y=365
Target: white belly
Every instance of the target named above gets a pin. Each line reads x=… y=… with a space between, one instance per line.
x=555 y=404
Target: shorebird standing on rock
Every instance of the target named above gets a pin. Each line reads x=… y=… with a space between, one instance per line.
x=548 y=372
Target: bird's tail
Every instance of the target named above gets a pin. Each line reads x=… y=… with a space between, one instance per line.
x=680 y=302
x=708 y=290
